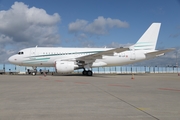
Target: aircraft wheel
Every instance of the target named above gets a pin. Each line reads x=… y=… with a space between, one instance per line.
x=84 y=72
x=89 y=73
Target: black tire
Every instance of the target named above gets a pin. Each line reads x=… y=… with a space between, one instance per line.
x=89 y=73
x=84 y=72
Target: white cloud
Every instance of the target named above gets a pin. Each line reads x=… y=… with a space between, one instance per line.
x=5 y=54
x=5 y=40
x=29 y=25
x=79 y=25
x=99 y=26
x=82 y=36
x=22 y=26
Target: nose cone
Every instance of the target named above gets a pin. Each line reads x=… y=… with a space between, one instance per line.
x=13 y=59
x=10 y=59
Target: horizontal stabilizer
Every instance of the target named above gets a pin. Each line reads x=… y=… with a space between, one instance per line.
x=158 y=53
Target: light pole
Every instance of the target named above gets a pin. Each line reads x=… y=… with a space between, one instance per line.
x=176 y=59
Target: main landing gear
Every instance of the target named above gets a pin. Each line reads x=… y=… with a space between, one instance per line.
x=87 y=72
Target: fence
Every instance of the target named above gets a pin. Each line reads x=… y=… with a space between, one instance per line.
x=134 y=69
x=103 y=70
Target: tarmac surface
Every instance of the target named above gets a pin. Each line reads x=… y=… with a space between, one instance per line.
x=100 y=97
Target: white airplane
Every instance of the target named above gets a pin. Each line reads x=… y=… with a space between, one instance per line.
x=67 y=60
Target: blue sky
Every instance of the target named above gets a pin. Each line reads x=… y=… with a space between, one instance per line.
x=132 y=18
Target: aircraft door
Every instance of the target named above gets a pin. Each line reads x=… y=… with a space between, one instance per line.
x=132 y=55
x=33 y=52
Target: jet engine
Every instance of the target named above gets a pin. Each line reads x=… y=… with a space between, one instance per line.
x=65 y=66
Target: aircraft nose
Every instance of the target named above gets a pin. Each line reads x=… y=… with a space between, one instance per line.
x=12 y=59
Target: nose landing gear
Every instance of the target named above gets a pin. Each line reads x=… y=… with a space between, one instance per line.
x=33 y=71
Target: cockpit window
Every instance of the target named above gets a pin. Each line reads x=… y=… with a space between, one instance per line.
x=20 y=53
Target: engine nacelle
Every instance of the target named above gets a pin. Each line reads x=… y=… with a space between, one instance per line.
x=64 y=66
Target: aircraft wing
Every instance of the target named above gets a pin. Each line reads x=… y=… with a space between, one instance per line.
x=100 y=54
x=159 y=53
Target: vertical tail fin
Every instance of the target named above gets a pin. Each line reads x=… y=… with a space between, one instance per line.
x=149 y=39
